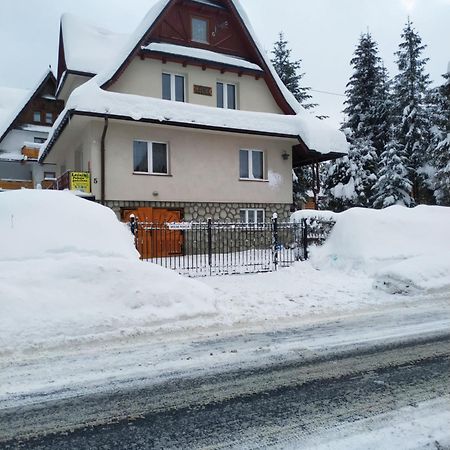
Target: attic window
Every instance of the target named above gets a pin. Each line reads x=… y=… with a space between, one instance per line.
x=36 y=116
x=199 y=30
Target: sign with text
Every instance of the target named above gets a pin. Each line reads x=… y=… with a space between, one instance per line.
x=179 y=226
x=203 y=90
x=80 y=181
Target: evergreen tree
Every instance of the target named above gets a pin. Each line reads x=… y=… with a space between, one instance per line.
x=368 y=110
x=290 y=72
x=410 y=87
x=393 y=186
x=440 y=142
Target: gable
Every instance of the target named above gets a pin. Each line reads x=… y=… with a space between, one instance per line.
x=165 y=22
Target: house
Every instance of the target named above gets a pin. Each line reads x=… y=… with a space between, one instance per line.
x=183 y=119
x=26 y=117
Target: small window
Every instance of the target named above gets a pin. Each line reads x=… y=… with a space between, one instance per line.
x=251 y=164
x=49 y=175
x=226 y=95
x=39 y=140
x=150 y=157
x=173 y=87
x=37 y=116
x=199 y=30
x=252 y=216
x=49 y=118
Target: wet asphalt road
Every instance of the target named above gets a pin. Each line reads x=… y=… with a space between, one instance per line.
x=278 y=405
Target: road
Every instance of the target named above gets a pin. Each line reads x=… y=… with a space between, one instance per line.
x=280 y=402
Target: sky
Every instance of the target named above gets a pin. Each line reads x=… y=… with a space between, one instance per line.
x=322 y=33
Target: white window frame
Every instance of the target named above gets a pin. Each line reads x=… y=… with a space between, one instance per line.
x=49 y=118
x=250 y=164
x=150 y=158
x=172 y=76
x=255 y=211
x=35 y=113
x=225 y=94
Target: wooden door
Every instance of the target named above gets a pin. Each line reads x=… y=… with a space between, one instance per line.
x=154 y=239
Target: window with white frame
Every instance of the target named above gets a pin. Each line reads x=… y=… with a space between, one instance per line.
x=252 y=216
x=173 y=87
x=251 y=164
x=49 y=118
x=199 y=30
x=36 y=116
x=226 y=95
x=150 y=157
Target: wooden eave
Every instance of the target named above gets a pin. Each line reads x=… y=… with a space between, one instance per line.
x=303 y=156
x=200 y=62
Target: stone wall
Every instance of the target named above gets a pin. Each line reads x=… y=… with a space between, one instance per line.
x=201 y=212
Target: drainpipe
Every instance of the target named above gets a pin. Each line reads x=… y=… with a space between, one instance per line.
x=102 y=162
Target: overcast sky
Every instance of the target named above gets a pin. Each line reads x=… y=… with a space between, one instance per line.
x=323 y=33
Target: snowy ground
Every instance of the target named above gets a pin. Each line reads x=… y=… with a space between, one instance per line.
x=79 y=311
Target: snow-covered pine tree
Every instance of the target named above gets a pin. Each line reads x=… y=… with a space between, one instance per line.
x=410 y=86
x=290 y=72
x=393 y=186
x=366 y=125
x=440 y=142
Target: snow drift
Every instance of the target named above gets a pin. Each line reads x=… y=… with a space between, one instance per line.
x=403 y=249
x=69 y=273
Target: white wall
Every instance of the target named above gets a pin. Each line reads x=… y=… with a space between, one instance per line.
x=144 y=77
x=14 y=140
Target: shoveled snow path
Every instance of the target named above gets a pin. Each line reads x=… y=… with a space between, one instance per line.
x=135 y=361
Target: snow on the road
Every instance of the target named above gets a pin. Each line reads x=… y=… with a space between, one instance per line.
x=69 y=273
x=418 y=427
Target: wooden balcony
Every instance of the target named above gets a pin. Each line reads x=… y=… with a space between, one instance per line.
x=12 y=185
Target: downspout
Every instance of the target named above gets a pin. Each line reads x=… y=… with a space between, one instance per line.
x=102 y=163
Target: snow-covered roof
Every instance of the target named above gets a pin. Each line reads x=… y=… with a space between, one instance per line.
x=11 y=102
x=11 y=156
x=200 y=54
x=90 y=98
x=88 y=48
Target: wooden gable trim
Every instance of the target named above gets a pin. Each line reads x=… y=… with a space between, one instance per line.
x=49 y=76
x=198 y=62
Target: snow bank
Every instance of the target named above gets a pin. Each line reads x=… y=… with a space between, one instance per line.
x=69 y=273
x=402 y=249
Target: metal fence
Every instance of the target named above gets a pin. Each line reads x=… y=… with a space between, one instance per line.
x=211 y=248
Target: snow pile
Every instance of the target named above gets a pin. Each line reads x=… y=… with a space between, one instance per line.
x=69 y=273
x=404 y=250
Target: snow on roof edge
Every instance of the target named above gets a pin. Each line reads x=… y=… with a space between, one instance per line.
x=8 y=122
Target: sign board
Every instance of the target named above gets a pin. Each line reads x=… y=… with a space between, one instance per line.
x=179 y=226
x=80 y=181
x=203 y=90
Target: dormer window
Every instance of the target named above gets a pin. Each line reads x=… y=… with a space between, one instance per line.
x=199 y=30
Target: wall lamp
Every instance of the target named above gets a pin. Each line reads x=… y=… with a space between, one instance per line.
x=285 y=155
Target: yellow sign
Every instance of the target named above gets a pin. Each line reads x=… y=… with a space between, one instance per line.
x=80 y=181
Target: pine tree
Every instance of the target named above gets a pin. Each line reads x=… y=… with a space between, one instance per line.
x=368 y=116
x=393 y=186
x=440 y=142
x=410 y=87
x=290 y=72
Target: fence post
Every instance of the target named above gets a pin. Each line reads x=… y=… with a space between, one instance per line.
x=275 y=240
x=210 y=246
x=305 y=238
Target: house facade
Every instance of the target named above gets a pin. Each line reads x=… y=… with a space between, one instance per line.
x=187 y=116
x=26 y=118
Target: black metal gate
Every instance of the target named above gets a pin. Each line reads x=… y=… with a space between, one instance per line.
x=213 y=248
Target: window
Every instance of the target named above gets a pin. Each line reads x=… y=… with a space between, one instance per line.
x=49 y=175
x=39 y=140
x=36 y=116
x=199 y=30
x=251 y=164
x=226 y=95
x=49 y=118
x=252 y=216
x=173 y=87
x=150 y=157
